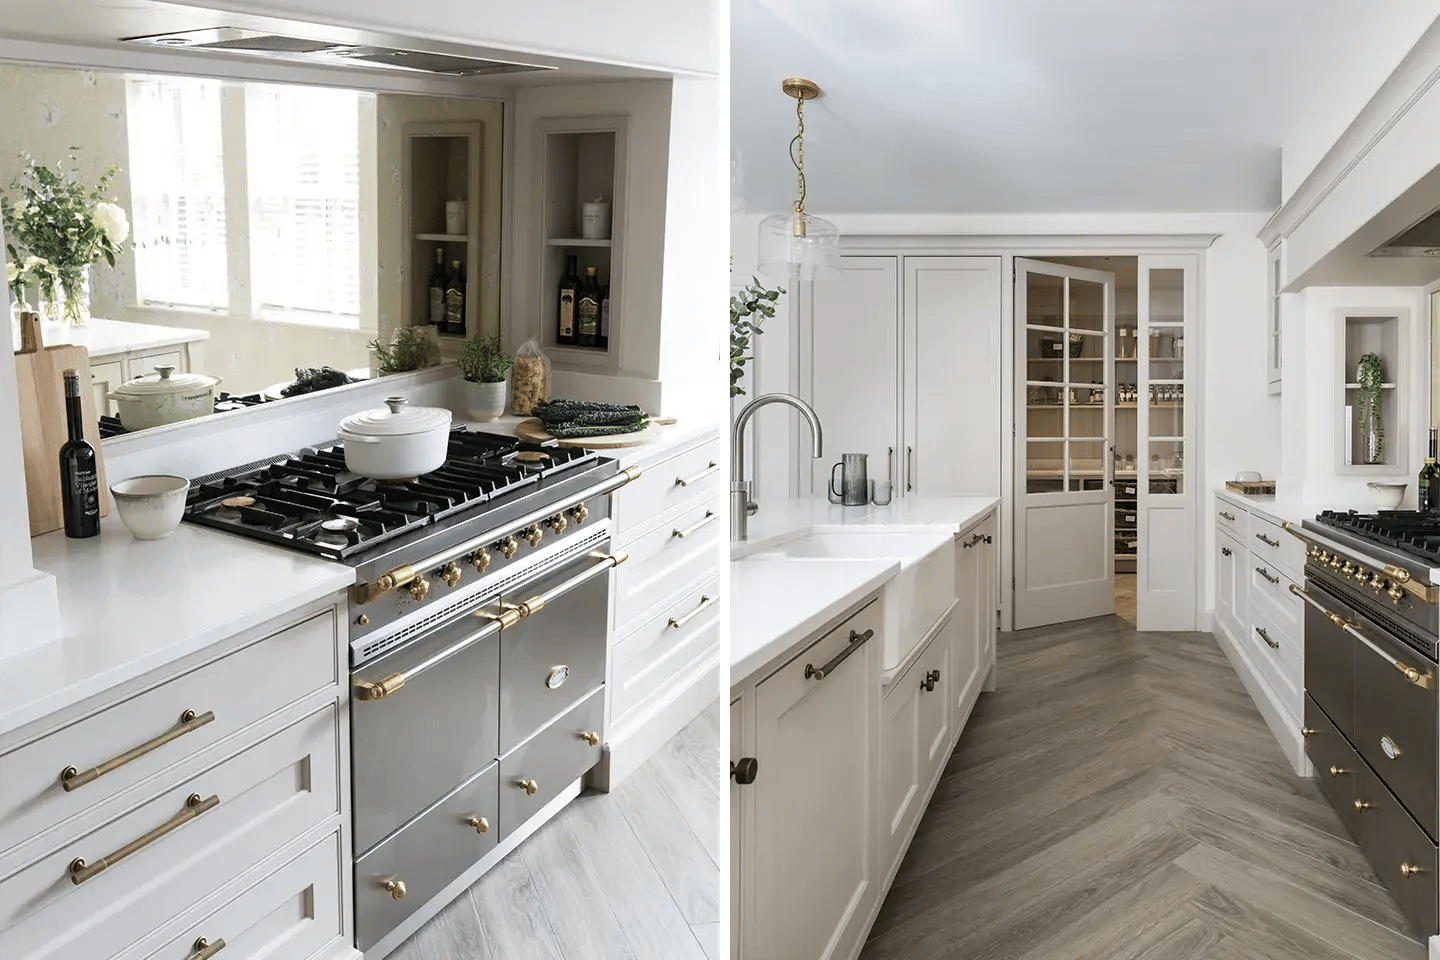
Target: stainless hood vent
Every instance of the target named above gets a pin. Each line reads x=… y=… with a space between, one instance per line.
x=299 y=49
x=1418 y=240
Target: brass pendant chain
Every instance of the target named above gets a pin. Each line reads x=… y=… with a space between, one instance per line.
x=798 y=144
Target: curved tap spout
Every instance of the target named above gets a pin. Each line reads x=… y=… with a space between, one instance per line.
x=739 y=486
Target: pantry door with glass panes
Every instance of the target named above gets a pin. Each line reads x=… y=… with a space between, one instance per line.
x=1064 y=516
x=1165 y=582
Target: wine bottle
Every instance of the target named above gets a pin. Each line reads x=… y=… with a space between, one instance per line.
x=1429 y=480
x=437 y=289
x=605 y=319
x=79 y=475
x=569 y=287
x=455 y=300
x=587 y=310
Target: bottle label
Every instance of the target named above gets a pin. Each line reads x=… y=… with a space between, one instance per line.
x=437 y=305
x=89 y=486
x=454 y=306
x=589 y=310
x=567 y=313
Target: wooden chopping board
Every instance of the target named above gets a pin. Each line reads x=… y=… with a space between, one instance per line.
x=534 y=431
x=40 y=383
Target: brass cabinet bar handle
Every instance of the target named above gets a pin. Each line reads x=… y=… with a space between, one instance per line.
x=70 y=778
x=80 y=871
x=678 y=622
x=686 y=481
x=1266 y=574
x=1266 y=637
x=1425 y=681
x=205 y=949
x=1266 y=540
x=710 y=517
x=857 y=640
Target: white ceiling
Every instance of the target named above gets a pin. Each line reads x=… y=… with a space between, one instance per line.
x=1033 y=106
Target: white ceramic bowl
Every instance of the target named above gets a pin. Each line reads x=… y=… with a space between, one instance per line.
x=151 y=506
x=1388 y=495
x=1247 y=476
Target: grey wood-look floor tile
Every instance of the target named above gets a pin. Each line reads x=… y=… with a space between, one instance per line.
x=677 y=854
x=1118 y=926
x=513 y=922
x=708 y=934
x=689 y=772
x=567 y=887
x=1254 y=933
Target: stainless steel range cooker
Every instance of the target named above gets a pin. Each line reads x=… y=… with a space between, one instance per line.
x=477 y=646
x=1371 y=709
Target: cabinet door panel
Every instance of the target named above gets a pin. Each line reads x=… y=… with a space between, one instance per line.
x=953 y=334
x=850 y=369
x=738 y=881
x=900 y=775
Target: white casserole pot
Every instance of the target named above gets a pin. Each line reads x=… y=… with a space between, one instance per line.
x=397 y=443
x=164 y=397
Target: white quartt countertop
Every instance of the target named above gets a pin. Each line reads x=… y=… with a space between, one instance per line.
x=130 y=606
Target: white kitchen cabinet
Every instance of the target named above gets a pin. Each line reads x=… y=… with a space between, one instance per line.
x=813 y=859
x=738 y=808
x=105 y=377
x=1231 y=585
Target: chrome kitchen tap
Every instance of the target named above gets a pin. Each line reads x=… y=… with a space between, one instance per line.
x=741 y=506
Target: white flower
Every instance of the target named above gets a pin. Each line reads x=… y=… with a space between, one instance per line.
x=12 y=273
x=23 y=208
x=112 y=222
x=37 y=265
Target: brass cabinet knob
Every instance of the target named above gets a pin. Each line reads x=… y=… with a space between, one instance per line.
x=480 y=560
x=419 y=588
x=557 y=523
x=507 y=546
x=451 y=574
x=1408 y=870
x=533 y=534
x=1308 y=731
x=481 y=825
x=1338 y=771
x=1361 y=805
x=529 y=786
x=578 y=513
x=593 y=739
x=396 y=888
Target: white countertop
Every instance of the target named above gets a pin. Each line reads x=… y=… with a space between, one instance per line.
x=1273 y=507
x=777 y=604
x=130 y=606
x=108 y=338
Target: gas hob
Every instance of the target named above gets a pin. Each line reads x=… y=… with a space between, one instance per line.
x=1412 y=533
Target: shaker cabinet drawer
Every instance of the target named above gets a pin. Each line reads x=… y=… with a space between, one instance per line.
x=673 y=553
x=535 y=772
x=1274 y=653
x=664 y=485
x=1271 y=545
x=1270 y=592
x=131 y=875
x=134 y=740
x=1233 y=518
x=645 y=660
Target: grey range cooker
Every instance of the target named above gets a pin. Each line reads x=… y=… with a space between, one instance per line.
x=478 y=639
x=1371 y=715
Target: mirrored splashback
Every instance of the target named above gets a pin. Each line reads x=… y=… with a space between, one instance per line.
x=250 y=227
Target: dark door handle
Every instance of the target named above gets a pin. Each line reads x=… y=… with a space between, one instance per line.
x=932 y=677
x=743 y=771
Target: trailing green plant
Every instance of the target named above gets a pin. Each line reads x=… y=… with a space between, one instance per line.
x=484 y=360
x=748 y=309
x=55 y=228
x=408 y=350
x=1369 y=411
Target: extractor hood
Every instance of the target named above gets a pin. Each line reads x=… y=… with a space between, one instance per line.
x=260 y=43
x=1421 y=239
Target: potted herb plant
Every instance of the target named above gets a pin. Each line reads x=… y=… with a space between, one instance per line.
x=409 y=349
x=1370 y=408
x=486 y=368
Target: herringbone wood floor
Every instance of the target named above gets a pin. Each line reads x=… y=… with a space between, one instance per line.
x=1120 y=798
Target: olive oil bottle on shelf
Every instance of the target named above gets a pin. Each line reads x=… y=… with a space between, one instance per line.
x=565 y=316
x=455 y=300
x=1428 y=482
x=79 y=474
x=605 y=319
x=437 y=290
x=587 y=310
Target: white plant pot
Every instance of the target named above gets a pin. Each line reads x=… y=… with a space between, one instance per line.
x=486 y=401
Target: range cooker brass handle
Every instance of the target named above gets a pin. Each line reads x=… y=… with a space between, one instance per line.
x=396 y=888
x=686 y=481
x=70 y=778
x=529 y=786
x=1424 y=681
x=481 y=825
x=205 y=949
x=80 y=871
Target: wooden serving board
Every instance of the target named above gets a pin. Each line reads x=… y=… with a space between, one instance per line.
x=1251 y=488
x=40 y=383
x=534 y=431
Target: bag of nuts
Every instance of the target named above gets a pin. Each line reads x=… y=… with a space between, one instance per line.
x=532 y=378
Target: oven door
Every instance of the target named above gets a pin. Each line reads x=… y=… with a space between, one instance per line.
x=1330 y=658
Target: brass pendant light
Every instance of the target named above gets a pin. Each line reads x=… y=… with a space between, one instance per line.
x=796 y=245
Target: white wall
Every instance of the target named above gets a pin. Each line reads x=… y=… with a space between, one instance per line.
x=1382 y=34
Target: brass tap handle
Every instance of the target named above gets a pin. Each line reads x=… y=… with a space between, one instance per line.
x=529 y=786
x=578 y=513
x=419 y=588
x=1361 y=805
x=80 y=871
x=205 y=949
x=71 y=779
x=450 y=574
x=591 y=739
x=507 y=546
x=480 y=560
x=1408 y=870
x=557 y=524
x=396 y=888
x=481 y=825
x=533 y=534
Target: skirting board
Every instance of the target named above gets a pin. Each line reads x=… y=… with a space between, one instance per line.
x=462 y=883
x=1283 y=727
x=650 y=726
x=1435 y=948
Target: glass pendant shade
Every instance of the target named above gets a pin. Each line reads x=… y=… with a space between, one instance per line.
x=799 y=247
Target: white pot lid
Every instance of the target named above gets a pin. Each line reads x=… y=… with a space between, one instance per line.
x=397 y=419
x=165 y=381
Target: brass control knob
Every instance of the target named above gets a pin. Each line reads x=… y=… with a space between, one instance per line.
x=1361 y=805
x=1362 y=577
x=592 y=739
x=1408 y=870
x=396 y=888
x=578 y=513
x=507 y=546
x=1396 y=593
x=419 y=588
x=1348 y=570
x=480 y=560
x=533 y=534
x=529 y=786
x=1323 y=556
x=1336 y=562
x=450 y=574
x=557 y=523
x=1378 y=584
x=481 y=825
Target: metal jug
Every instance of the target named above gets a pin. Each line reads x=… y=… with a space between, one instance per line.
x=854 y=490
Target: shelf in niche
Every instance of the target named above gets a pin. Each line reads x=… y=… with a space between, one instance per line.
x=444 y=237
x=577 y=242
x=1356 y=386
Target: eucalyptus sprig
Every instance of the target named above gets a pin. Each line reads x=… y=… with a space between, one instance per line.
x=748 y=309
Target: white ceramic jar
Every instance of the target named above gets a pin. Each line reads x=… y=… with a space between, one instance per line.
x=396 y=443
x=164 y=397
